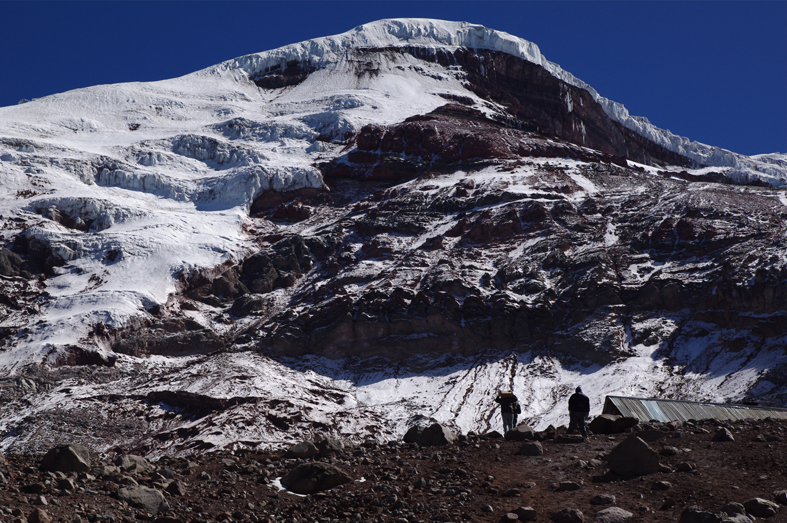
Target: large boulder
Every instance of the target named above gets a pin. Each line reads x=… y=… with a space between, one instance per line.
x=302 y=450
x=66 y=458
x=633 y=457
x=309 y=478
x=144 y=497
x=432 y=436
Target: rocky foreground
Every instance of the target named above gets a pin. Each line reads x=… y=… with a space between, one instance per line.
x=706 y=471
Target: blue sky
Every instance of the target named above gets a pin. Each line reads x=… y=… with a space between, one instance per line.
x=713 y=71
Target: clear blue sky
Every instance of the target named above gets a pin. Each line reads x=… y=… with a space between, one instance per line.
x=713 y=71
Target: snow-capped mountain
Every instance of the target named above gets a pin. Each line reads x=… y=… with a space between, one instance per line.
x=350 y=234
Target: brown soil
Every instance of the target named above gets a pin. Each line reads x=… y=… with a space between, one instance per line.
x=462 y=481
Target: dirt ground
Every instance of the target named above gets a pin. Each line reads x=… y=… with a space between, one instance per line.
x=478 y=479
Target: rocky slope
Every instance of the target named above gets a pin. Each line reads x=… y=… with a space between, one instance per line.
x=475 y=479
x=348 y=235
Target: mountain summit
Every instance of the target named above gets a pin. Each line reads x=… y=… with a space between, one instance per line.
x=353 y=234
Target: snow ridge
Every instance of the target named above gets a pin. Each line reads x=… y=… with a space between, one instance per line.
x=440 y=33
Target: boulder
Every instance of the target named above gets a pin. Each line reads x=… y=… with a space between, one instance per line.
x=633 y=457
x=302 y=450
x=309 y=478
x=780 y=496
x=144 y=497
x=531 y=448
x=732 y=509
x=723 y=435
x=568 y=515
x=603 y=424
x=432 y=436
x=330 y=447
x=624 y=423
x=737 y=518
x=521 y=432
x=761 y=508
x=694 y=514
x=613 y=515
x=66 y=458
x=526 y=513
x=133 y=464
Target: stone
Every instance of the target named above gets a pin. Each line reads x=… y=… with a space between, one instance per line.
x=603 y=499
x=39 y=516
x=568 y=515
x=309 y=478
x=330 y=447
x=531 y=448
x=661 y=486
x=487 y=508
x=144 y=497
x=432 y=436
x=781 y=497
x=568 y=486
x=526 y=513
x=633 y=457
x=669 y=451
x=685 y=466
x=302 y=450
x=66 y=458
x=508 y=517
x=723 y=435
x=603 y=424
x=761 y=508
x=624 y=423
x=733 y=508
x=613 y=515
x=521 y=432
x=176 y=488
x=694 y=514
x=737 y=518
x=66 y=484
x=650 y=435
x=133 y=464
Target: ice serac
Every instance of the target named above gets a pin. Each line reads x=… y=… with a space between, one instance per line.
x=356 y=234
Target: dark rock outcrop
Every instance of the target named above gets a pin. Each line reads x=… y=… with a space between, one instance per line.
x=309 y=478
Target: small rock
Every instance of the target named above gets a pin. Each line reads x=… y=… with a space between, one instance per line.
x=781 y=497
x=685 y=466
x=569 y=438
x=176 y=488
x=668 y=504
x=133 y=464
x=695 y=514
x=603 y=499
x=39 y=516
x=512 y=492
x=733 y=508
x=613 y=515
x=487 y=509
x=723 y=435
x=144 y=497
x=508 y=517
x=737 y=518
x=670 y=451
x=526 y=513
x=568 y=486
x=521 y=432
x=41 y=501
x=761 y=508
x=309 y=478
x=568 y=515
x=661 y=485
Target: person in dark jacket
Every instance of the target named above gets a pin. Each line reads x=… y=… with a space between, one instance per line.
x=509 y=408
x=578 y=410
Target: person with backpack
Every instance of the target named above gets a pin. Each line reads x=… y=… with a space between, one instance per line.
x=509 y=408
x=578 y=410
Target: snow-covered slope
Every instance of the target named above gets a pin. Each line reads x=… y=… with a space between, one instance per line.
x=131 y=196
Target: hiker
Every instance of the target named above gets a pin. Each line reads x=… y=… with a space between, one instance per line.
x=509 y=408
x=578 y=410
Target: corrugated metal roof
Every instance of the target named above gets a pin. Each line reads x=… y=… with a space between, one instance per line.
x=646 y=409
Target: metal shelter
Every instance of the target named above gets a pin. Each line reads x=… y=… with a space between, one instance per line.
x=647 y=409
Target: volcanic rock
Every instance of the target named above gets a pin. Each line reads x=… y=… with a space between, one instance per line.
x=309 y=478
x=613 y=515
x=761 y=508
x=66 y=458
x=144 y=497
x=633 y=457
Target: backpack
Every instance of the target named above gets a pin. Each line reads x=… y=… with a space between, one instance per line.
x=517 y=408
